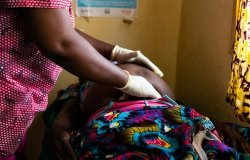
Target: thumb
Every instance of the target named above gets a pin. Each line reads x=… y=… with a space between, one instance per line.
x=128 y=57
x=152 y=92
x=150 y=65
x=156 y=95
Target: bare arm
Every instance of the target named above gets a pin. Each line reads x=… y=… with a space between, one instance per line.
x=231 y=136
x=57 y=137
x=59 y=41
x=102 y=47
x=70 y=116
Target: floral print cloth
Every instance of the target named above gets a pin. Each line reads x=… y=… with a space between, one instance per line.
x=144 y=129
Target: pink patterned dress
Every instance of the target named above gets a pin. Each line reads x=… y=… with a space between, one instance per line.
x=26 y=76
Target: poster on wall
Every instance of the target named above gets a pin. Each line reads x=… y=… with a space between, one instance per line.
x=106 y=8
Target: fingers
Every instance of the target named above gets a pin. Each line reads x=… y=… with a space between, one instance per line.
x=155 y=95
x=58 y=151
x=68 y=150
x=63 y=150
x=155 y=68
x=150 y=64
x=248 y=147
x=243 y=145
x=131 y=57
x=59 y=146
x=138 y=86
x=237 y=141
x=122 y=55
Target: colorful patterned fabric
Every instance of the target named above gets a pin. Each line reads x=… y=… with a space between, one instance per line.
x=148 y=132
x=145 y=129
x=238 y=93
x=26 y=76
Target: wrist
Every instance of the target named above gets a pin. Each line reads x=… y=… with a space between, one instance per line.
x=63 y=125
x=127 y=83
x=58 y=125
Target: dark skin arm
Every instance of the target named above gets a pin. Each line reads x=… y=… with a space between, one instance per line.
x=58 y=135
x=102 y=47
x=59 y=41
x=232 y=137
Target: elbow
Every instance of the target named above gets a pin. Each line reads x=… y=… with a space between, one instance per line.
x=56 y=49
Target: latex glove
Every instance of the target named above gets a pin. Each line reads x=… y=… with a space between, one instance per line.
x=139 y=87
x=58 y=141
x=120 y=55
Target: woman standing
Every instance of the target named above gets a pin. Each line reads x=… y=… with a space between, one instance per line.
x=37 y=38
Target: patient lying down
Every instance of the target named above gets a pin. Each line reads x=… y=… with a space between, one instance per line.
x=98 y=125
x=99 y=95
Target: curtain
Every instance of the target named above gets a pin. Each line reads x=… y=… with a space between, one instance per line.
x=238 y=93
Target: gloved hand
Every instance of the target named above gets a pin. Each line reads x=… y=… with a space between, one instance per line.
x=120 y=55
x=139 y=87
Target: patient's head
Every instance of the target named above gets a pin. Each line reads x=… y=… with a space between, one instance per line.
x=99 y=94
